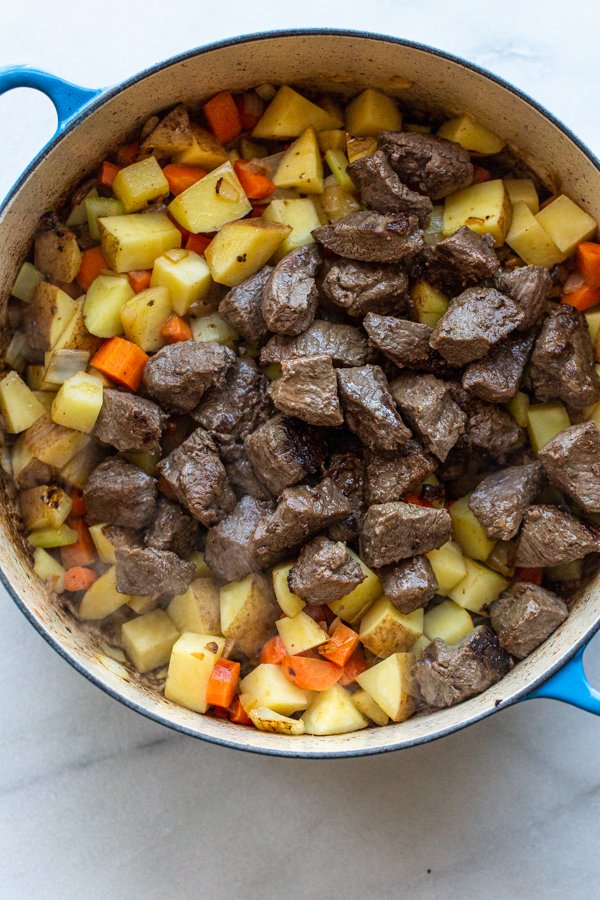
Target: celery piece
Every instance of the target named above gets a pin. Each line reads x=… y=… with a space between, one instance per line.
x=100 y=208
x=15 y=352
x=78 y=215
x=26 y=282
x=338 y=163
x=53 y=537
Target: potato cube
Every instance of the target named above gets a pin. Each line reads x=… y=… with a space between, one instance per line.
x=266 y=685
x=143 y=317
x=332 y=139
x=429 y=303
x=523 y=190
x=479 y=587
x=388 y=683
x=205 y=151
x=358 y=147
x=49 y=570
x=242 y=248
x=300 y=633
x=289 y=602
x=333 y=712
x=46 y=398
x=53 y=444
x=372 y=112
x=545 y=421
x=142 y=604
x=248 y=612
x=193 y=658
x=106 y=296
x=148 y=640
x=448 y=566
x=367 y=706
x=385 y=630
x=472 y=135
x=566 y=224
x=299 y=215
x=448 y=622
x=530 y=240
x=289 y=114
x=44 y=506
x=102 y=598
x=57 y=254
x=593 y=324
x=186 y=276
x=26 y=282
x=79 y=468
x=301 y=167
x=78 y=402
x=136 y=185
x=53 y=537
x=50 y=312
x=202 y=567
x=173 y=133
x=199 y=609
x=352 y=607
x=104 y=547
x=518 y=407
x=484 y=208
x=214 y=329
x=76 y=336
x=211 y=202
x=266 y=720
x=468 y=531
x=135 y=241
x=419 y=646
x=18 y=405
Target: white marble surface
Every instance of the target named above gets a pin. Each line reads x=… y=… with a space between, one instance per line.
x=96 y=802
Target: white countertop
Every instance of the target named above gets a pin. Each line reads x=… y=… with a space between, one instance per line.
x=97 y=802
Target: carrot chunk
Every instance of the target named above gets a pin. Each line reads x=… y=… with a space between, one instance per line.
x=223 y=117
x=583 y=298
x=340 y=647
x=92 y=263
x=237 y=713
x=355 y=665
x=223 y=683
x=182 y=177
x=79 y=578
x=198 y=243
x=273 y=651
x=127 y=153
x=588 y=263
x=176 y=329
x=107 y=174
x=82 y=553
x=139 y=279
x=121 y=361
x=253 y=179
x=310 y=674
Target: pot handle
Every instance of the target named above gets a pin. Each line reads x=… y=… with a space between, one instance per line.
x=570 y=684
x=67 y=98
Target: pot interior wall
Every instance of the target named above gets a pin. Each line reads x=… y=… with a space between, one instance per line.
x=344 y=63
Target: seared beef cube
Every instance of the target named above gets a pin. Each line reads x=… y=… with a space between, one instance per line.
x=562 y=362
x=496 y=377
x=179 y=374
x=462 y=471
x=152 y=573
x=571 y=461
x=409 y=584
x=372 y=237
x=283 y=452
x=529 y=287
x=489 y=430
x=242 y=307
x=120 y=493
x=307 y=389
x=229 y=548
x=172 y=529
x=240 y=472
x=301 y=512
x=360 y=288
x=462 y=260
x=449 y=674
x=524 y=616
x=550 y=537
x=406 y=343
x=427 y=404
x=239 y=406
x=324 y=571
x=198 y=478
x=427 y=164
x=369 y=408
x=390 y=476
x=499 y=501
x=345 y=344
x=129 y=422
x=475 y=321
x=289 y=298
x=395 y=531
x=381 y=189
x=347 y=471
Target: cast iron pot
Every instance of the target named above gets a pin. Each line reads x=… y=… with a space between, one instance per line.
x=91 y=122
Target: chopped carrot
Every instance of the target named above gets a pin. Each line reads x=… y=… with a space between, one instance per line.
x=127 y=153
x=355 y=665
x=198 y=243
x=121 y=361
x=257 y=210
x=223 y=117
x=250 y=107
x=139 y=279
x=588 y=263
x=253 y=179
x=480 y=174
x=82 y=553
x=237 y=713
x=416 y=500
x=176 y=329
x=533 y=574
x=78 y=507
x=223 y=683
x=92 y=263
x=273 y=651
x=107 y=174
x=218 y=712
x=78 y=578
x=181 y=177
x=583 y=298
x=165 y=488
x=310 y=674
x=341 y=645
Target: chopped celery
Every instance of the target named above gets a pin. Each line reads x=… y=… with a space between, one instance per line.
x=338 y=163
x=99 y=208
x=15 y=352
x=53 y=537
x=26 y=282
x=78 y=215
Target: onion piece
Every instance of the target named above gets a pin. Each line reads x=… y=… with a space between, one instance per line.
x=573 y=283
x=62 y=364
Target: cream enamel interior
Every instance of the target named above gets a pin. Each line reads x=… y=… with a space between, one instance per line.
x=343 y=62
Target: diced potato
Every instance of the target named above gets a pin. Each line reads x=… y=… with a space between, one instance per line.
x=266 y=720
x=267 y=686
x=193 y=658
x=530 y=240
x=299 y=215
x=49 y=570
x=371 y=113
x=53 y=537
x=104 y=547
x=385 y=630
x=141 y=604
x=501 y=559
x=352 y=607
x=51 y=310
x=173 y=134
x=429 y=304
x=480 y=586
x=26 y=282
x=338 y=164
x=76 y=336
x=57 y=254
x=79 y=468
x=186 y=276
x=357 y=147
x=448 y=622
x=202 y=567
x=301 y=167
x=242 y=248
x=214 y=329
x=102 y=598
x=205 y=151
x=289 y=602
x=211 y=202
x=334 y=139
x=136 y=185
x=468 y=531
x=103 y=302
x=367 y=706
x=44 y=506
x=53 y=444
x=545 y=421
x=135 y=241
x=566 y=224
x=518 y=407
x=333 y=712
x=419 y=646
x=78 y=402
x=17 y=404
x=148 y=640
x=523 y=190
x=593 y=323
x=63 y=364
x=485 y=208
x=472 y=135
x=300 y=633
x=46 y=398
x=448 y=566
x=388 y=683
x=199 y=609
x=289 y=114
x=101 y=208
x=143 y=317
x=248 y=611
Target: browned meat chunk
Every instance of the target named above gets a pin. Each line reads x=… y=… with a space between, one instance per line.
x=289 y=298
x=238 y=407
x=524 y=616
x=152 y=573
x=571 y=461
x=427 y=404
x=172 y=529
x=550 y=537
x=242 y=307
x=381 y=189
x=179 y=374
x=562 y=362
x=360 y=288
x=240 y=472
x=229 y=549
x=409 y=584
x=427 y=164
x=496 y=377
x=529 y=287
x=406 y=343
x=475 y=321
x=347 y=471
x=345 y=344
x=129 y=422
x=283 y=452
x=395 y=531
x=324 y=571
x=462 y=260
x=372 y=237
x=307 y=389
x=489 y=430
x=120 y=493
x=450 y=674
x=392 y=475
x=501 y=499
x=369 y=408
